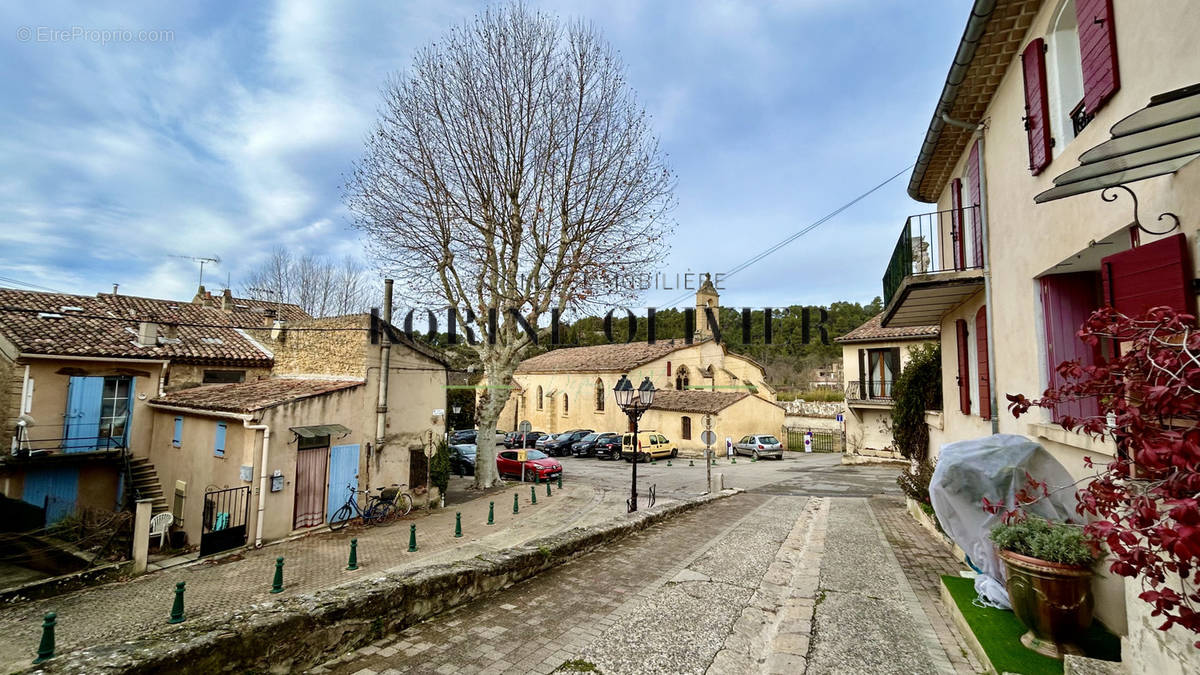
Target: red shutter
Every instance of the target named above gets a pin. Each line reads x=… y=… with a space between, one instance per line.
x=981 y=357
x=1067 y=301
x=1037 y=107
x=668 y=368
x=956 y=222
x=976 y=201
x=1151 y=275
x=1097 y=52
x=964 y=368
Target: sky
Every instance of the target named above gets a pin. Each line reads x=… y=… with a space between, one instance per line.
x=225 y=129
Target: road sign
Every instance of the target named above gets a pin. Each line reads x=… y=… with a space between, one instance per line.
x=708 y=437
x=729 y=446
x=840 y=418
x=525 y=427
x=808 y=441
x=708 y=421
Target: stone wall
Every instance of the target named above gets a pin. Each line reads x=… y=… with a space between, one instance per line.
x=804 y=408
x=339 y=349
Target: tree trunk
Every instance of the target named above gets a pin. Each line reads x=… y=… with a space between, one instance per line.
x=499 y=375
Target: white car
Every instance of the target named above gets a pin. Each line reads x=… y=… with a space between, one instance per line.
x=759 y=446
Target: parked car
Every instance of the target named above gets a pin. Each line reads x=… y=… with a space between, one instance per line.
x=759 y=446
x=537 y=464
x=586 y=446
x=561 y=445
x=462 y=436
x=650 y=445
x=513 y=439
x=462 y=459
x=608 y=446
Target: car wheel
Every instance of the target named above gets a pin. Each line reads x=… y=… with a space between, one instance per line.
x=674 y=453
x=754 y=455
x=616 y=454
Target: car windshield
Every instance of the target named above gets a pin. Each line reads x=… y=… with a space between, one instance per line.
x=535 y=454
x=768 y=440
x=466 y=449
x=590 y=437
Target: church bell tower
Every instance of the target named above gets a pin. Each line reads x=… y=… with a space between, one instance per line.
x=706 y=298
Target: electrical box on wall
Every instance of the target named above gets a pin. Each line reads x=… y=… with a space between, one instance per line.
x=276 y=481
x=247 y=473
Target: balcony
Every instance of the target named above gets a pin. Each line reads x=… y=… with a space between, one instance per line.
x=46 y=441
x=925 y=278
x=869 y=394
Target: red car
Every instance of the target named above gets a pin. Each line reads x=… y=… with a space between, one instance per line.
x=537 y=464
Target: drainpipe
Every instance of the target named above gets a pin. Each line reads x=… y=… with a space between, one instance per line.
x=385 y=364
x=987 y=284
x=262 y=479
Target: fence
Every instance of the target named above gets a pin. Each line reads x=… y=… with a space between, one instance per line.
x=823 y=440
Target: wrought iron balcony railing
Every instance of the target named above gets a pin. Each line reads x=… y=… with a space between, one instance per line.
x=869 y=392
x=941 y=241
x=42 y=440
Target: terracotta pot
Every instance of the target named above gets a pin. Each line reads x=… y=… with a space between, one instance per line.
x=1053 y=601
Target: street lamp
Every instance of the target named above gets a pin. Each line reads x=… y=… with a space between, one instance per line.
x=457 y=409
x=634 y=402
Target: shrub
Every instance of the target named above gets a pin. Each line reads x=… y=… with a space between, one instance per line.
x=439 y=467
x=1061 y=543
x=918 y=388
x=916 y=485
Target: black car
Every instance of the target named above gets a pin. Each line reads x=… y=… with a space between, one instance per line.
x=561 y=445
x=586 y=446
x=608 y=446
x=462 y=459
x=462 y=436
x=513 y=439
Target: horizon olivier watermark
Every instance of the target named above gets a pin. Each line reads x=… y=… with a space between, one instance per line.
x=99 y=35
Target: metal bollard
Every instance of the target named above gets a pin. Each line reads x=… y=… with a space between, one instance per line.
x=353 y=564
x=277 y=584
x=516 y=502
x=45 y=650
x=668 y=462
x=560 y=480
x=691 y=462
x=458 y=524
x=491 y=513
x=733 y=460
x=548 y=492
x=177 y=606
x=412 y=538
x=533 y=494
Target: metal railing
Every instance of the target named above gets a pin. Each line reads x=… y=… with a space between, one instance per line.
x=874 y=392
x=928 y=244
x=823 y=440
x=45 y=439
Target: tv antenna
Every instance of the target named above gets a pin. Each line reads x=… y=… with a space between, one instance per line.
x=216 y=260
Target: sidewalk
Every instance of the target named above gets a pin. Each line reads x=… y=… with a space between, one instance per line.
x=142 y=606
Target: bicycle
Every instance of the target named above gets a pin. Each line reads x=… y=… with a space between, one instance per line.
x=380 y=509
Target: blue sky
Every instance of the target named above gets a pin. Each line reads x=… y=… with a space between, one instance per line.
x=234 y=134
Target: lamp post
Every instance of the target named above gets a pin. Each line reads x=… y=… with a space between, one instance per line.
x=457 y=409
x=634 y=402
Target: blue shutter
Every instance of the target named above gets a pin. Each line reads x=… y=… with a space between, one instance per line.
x=219 y=446
x=343 y=472
x=82 y=421
x=55 y=490
x=177 y=439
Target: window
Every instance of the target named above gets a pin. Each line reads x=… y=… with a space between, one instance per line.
x=662 y=439
x=668 y=368
x=681 y=378
x=686 y=431
x=219 y=442
x=879 y=368
x=540 y=400
x=599 y=395
x=177 y=438
x=1067 y=301
x=224 y=376
x=114 y=407
x=1064 y=77
x=566 y=405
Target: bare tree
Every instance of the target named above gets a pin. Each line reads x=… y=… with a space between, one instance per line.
x=509 y=166
x=321 y=287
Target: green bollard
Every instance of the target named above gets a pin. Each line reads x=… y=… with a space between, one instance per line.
x=560 y=481
x=516 y=503
x=491 y=513
x=412 y=538
x=277 y=584
x=714 y=461
x=45 y=650
x=668 y=462
x=177 y=608
x=691 y=462
x=533 y=494
x=733 y=461
x=353 y=564
x=548 y=492
x=458 y=524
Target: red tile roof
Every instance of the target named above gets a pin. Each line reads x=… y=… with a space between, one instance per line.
x=872 y=331
x=696 y=400
x=251 y=396
x=614 y=358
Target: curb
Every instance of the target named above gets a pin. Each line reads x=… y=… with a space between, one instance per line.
x=352 y=615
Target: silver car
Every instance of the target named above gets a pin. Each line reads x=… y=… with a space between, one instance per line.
x=759 y=446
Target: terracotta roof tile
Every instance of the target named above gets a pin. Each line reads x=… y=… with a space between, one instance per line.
x=614 y=358
x=696 y=400
x=873 y=331
x=251 y=396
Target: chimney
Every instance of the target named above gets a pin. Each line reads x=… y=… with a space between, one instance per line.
x=115 y=288
x=199 y=297
x=171 y=331
x=227 y=300
x=147 y=334
x=278 y=330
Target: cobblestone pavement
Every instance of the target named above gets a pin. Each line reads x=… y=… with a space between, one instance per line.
x=111 y=612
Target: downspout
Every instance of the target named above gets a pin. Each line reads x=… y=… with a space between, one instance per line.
x=262 y=479
x=385 y=364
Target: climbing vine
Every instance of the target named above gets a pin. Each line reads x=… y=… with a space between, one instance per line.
x=918 y=388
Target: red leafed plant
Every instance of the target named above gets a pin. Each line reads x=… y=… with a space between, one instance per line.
x=1144 y=505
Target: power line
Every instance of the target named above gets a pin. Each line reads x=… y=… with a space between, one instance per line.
x=18 y=282
x=808 y=228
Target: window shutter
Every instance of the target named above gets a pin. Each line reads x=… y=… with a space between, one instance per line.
x=219 y=444
x=981 y=358
x=1097 y=52
x=956 y=222
x=975 y=201
x=964 y=368
x=1151 y=275
x=862 y=373
x=1067 y=301
x=1037 y=106
x=177 y=439
x=892 y=359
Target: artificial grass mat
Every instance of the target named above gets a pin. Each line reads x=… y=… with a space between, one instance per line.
x=999 y=632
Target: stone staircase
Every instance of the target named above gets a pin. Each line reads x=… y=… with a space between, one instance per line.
x=144 y=484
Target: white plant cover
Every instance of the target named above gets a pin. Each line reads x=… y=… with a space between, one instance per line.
x=993 y=467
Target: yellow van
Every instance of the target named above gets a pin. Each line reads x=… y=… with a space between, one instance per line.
x=650 y=444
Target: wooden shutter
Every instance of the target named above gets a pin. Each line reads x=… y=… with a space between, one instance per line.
x=1037 y=107
x=1097 y=52
x=1151 y=275
x=981 y=358
x=956 y=222
x=891 y=358
x=976 y=201
x=964 y=368
x=862 y=374
x=1067 y=301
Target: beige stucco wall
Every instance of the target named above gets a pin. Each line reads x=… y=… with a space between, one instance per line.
x=869 y=427
x=1156 y=53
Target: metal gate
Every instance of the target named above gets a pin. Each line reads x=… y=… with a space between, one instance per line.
x=823 y=440
x=226 y=513
x=311 y=466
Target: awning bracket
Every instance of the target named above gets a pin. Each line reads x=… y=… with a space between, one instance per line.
x=1112 y=197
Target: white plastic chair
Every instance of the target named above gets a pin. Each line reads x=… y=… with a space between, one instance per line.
x=159 y=525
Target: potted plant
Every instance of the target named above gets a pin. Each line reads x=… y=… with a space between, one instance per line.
x=1049 y=581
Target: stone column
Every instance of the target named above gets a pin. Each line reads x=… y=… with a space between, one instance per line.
x=141 y=534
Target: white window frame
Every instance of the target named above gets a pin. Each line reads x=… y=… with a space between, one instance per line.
x=1064 y=75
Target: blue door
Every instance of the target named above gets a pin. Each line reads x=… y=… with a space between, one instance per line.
x=343 y=472
x=81 y=428
x=54 y=489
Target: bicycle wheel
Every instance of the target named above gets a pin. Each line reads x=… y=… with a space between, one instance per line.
x=341 y=517
x=404 y=504
x=378 y=514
